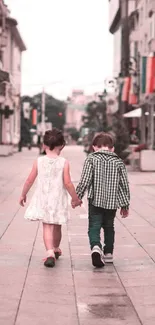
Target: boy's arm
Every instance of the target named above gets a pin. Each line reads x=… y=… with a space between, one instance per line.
x=124 y=188
x=86 y=178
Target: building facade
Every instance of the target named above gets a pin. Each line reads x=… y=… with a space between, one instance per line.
x=138 y=81
x=76 y=106
x=11 y=48
x=115 y=29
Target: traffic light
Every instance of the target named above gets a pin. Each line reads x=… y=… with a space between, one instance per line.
x=60 y=114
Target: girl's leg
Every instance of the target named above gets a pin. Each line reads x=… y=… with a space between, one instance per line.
x=48 y=241
x=48 y=238
x=56 y=236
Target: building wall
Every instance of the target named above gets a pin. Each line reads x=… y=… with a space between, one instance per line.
x=144 y=33
x=12 y=53
x=74 y=117
x=143 y=36
x=113 y=9
x=11 y=62
x=117 y=52
x=16 y=88
x=76 y=108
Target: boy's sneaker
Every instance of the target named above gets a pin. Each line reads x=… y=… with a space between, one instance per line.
x=108 y=258
x=97 y=257
x=49 y=261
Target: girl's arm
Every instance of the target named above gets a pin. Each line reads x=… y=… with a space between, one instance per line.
x=69 y=185
x=29 y=182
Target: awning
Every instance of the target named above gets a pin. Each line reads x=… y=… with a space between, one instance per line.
x=135 y=113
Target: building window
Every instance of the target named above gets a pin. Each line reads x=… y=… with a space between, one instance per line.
x=146 y=8
x=141 y=12
x=3 y=89
x=136 y=50
x=1 y=60
x=11 y=54
x=145 y=43
x=151 y=30
x=141 y=46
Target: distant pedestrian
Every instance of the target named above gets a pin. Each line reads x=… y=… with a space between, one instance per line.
x=50 y=200
x=104 y=176
x=134 y=138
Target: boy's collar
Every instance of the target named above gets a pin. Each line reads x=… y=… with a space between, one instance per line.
x=108 y=152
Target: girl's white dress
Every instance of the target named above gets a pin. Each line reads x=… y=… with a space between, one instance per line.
x=50 y=200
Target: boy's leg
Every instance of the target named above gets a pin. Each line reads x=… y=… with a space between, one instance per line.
x=94 y=229
x=57 y=239
x=109 y=232
x=48 y=241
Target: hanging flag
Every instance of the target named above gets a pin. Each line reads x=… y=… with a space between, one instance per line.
x=126 y=89
x=133 y=96
x=150 y=75
x=133 y=100
x=143 y=79
x=34 y=117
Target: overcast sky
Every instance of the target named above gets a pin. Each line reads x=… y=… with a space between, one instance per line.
x=67 y=42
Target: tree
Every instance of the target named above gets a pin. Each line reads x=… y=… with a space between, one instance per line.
x=55 y=110
x=74 y=133
x=97 y=121
x=121 y=134
x=96 y=116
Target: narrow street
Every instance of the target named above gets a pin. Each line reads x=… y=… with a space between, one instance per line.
x=74 y=293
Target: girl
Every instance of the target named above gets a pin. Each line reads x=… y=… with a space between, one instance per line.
x=50 y=200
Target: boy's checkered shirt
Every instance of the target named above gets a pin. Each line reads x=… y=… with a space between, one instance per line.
x=104 y=175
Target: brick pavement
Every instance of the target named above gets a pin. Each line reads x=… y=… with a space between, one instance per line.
x=73 y=293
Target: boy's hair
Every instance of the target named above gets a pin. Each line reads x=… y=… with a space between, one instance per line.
x=103 y=140
x=54 y=138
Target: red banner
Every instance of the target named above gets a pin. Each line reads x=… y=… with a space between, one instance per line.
x=150 y=75
x=34 y=117
x=126 y=89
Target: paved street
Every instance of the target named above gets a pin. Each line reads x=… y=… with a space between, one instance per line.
x=73 y=293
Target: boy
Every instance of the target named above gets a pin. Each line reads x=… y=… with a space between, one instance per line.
x=104 y=176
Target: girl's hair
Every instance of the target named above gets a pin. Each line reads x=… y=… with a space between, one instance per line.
x=103 y=140
x=54 y=138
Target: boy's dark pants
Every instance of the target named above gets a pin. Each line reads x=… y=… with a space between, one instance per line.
x=101 y=218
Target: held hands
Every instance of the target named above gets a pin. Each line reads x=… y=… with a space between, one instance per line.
x=124 y=213
x=22 y=200
x=76 y=203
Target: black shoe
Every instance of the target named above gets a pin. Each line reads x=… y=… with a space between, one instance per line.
x=58 y=254
x=50 y=261
x=97 y=257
